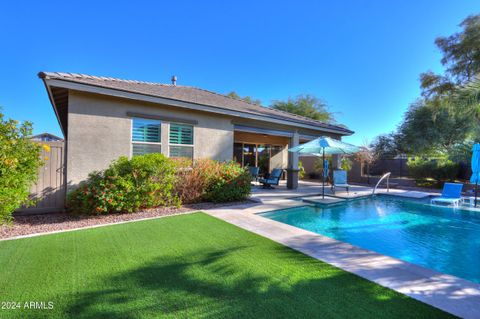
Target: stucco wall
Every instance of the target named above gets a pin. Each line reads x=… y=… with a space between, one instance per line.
x=99 y=131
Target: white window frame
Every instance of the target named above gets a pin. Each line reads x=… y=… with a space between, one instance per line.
x=145 y=143
x=182 y=145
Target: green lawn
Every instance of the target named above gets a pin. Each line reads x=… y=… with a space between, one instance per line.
x=185 y=266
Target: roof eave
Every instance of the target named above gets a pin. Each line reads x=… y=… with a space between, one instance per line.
x=44 y=78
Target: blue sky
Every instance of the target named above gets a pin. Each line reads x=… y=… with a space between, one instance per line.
x=362 y=57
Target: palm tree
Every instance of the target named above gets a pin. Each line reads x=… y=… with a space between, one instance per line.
x=467 y=99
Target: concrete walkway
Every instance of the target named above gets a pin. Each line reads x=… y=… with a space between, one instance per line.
x=454 y=295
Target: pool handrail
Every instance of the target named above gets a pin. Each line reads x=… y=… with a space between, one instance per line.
x=387 y=176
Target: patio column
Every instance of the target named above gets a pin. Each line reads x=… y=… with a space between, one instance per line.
x=292 y=170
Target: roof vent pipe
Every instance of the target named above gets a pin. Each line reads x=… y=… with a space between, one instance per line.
x=174 y=80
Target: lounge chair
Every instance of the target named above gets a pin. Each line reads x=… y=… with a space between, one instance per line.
x=451 y=194
x=340 y=180
x=273 y=178
x=253 y=170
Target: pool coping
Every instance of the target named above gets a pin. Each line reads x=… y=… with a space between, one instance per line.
x=455 y=295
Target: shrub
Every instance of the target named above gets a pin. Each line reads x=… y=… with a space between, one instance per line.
x=127 y=185
x=346 y=164
x=191 y=182
x=438 y=169
x=153 y=180
x=209 y=180
x=301 y=170
x=229 y=182
x=19 y=163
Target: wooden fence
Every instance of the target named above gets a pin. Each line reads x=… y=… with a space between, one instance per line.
x=49 y=191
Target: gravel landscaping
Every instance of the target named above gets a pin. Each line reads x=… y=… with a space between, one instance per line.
x=44 y=223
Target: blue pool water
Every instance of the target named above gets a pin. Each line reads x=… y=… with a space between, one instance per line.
x=438 y=238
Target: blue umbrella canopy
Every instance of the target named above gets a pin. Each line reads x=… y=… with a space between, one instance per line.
x=475 y=178
x=327 y=144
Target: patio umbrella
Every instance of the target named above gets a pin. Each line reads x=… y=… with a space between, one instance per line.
x=475 y=168
x=324 y=146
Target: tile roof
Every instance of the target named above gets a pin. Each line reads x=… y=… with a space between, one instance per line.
x=187 y=94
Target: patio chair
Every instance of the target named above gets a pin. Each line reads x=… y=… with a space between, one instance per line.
x=254 y=171
x=451 y=194
x=340 y=180
x=273 y=179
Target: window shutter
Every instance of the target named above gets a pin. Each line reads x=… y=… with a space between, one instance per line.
x=145 y=130
x=181 y=134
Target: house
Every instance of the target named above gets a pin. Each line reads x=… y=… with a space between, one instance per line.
x=103 y=118
x=46 y=137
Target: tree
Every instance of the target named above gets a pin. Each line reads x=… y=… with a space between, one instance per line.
x=385 y=146
x=461 y=57
x=365 y=156
x=467 y=100
x=429 y=127
x=247 y=98
x=448 y=112
x=461 y=53
x=19 y=163
x=435 y=86
x=307 y=106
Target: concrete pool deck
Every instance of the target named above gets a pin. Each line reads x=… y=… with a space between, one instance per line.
x=308 y=188
x=449 y=293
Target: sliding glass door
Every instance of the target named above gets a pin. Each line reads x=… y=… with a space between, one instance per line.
x=263 y=158
x=255 y=155
x=249 y=155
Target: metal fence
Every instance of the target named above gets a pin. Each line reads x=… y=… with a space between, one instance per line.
x=399 y=168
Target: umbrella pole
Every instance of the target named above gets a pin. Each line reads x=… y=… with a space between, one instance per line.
x=323 y=175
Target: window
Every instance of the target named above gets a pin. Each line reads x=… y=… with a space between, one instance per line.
x=263 y=158
x=181 y=140
x=249 y=155
x=238 y=153
x=146 y=136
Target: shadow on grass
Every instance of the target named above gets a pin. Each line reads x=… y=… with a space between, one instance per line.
x=224 y=284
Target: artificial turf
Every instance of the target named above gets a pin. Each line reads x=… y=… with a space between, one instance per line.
x=191 y=266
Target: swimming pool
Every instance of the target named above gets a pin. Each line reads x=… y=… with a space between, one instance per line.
x=438 y=238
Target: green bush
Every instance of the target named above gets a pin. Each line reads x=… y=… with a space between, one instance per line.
x=301 y=170
x=19 y=163
x=229 y=182
x=346 y=164
x=438 y=169
x=154 y=180
x=127 y=185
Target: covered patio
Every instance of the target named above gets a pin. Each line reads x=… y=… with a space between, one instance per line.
x=267 y=149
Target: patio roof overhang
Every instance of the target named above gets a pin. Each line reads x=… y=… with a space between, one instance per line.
x=274 y=132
